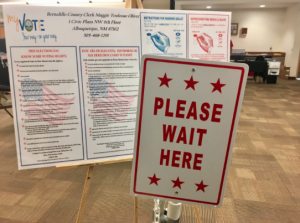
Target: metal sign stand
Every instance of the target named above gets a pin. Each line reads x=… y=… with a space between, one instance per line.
x=168 y=215
x=172 y=213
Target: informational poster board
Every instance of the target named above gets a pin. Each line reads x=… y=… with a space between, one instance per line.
x=74 y=75
x=187 y=118
x=208 y=36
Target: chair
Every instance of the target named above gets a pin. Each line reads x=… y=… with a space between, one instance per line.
x=259 y=58
x=260 y=69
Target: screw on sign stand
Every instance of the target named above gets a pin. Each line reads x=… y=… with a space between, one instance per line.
x=183 y=105
x=133 y=4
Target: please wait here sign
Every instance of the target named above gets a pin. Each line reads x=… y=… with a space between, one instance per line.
x=188 y=112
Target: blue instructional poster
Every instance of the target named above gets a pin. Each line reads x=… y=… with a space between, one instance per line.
x=164 y=34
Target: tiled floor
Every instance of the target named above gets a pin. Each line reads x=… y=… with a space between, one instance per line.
x=263 y=184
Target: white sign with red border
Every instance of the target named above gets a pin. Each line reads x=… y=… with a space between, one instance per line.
x=188 y=112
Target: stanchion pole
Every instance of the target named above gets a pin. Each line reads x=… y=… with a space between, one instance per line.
x=84 y=193
x=136 y=209
x=197 y=213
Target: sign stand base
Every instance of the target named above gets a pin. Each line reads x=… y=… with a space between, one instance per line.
x=172 y=213
x=88 y=181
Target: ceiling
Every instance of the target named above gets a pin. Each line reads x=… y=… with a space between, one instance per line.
x=191 y=4
x=233 y=6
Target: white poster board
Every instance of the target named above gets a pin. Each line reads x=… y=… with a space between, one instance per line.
x=74 y=76
x=187 y=118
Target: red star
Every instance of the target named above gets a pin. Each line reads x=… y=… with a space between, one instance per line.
x=177 y=183
x=191 y=83
x=25 y=148
x=201 y=186
x=17 y=65
x=217 y=86
x=154 y=179
x=164 y=80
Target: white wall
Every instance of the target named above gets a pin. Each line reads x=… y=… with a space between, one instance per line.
x=156 y=4
x=289 y=34
x=265 y=29
x=291 y=38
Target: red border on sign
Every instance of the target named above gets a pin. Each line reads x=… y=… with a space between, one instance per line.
x=188 y=27
x=230 y=135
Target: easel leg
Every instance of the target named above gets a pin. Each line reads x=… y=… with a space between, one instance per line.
x=84 y=193
x=135 y=209
x=197 y=213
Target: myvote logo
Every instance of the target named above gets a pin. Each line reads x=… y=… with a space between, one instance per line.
x=31 y=24
x=27 y=24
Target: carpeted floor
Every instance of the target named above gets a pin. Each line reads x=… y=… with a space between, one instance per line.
x=263 y=184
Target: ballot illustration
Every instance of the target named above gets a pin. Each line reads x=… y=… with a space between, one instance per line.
x=206 y=42
x=161 y=41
